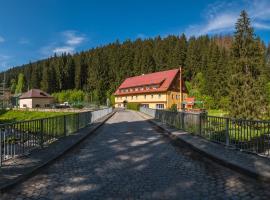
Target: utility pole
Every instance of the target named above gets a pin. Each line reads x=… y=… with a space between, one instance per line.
x=2 y=91
x=181 y=91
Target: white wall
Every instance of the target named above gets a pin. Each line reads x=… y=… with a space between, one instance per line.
x=32 y=103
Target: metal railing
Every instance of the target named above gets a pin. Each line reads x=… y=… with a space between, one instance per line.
x=246 y=135
x=20 y=138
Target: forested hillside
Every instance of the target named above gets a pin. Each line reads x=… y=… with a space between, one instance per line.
x=101 y=70
x=208 y=64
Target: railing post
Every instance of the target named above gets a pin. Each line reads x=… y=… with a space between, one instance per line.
x=227 y=132
x=200 y=123
x=65 y=128
x=183 y=120
x=1 y=156
x=78 y=121
x=41 y=133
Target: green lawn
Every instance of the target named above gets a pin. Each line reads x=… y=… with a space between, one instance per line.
x=218 y=113
x=7 y=116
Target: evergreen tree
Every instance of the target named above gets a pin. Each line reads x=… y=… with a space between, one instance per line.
x=246 y=84
x=21 y=84
x=13 y=86
x=45 y=80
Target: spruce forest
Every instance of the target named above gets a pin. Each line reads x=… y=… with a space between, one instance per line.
x=229 y=72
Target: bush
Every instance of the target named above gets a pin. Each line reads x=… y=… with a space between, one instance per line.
x=224 y=103
x=70 y=96
x=79 y=106
x=133 y=106
x=173 y=108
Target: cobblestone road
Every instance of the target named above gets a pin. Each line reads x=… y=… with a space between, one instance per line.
x=129 y=159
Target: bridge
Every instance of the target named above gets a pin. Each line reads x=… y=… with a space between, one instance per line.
x=130 y=158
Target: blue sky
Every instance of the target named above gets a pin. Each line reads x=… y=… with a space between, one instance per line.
x=35 y=29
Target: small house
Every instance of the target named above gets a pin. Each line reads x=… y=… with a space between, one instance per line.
x=35 y=98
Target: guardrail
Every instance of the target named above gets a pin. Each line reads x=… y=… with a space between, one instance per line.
x=21 y=137
x=246 y=135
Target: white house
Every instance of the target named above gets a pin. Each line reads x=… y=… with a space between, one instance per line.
x=35 y=98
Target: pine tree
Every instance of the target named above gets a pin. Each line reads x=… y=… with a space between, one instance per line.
x=246 y=84
x=45 y=79
x=13 y=86
x=34 y=78
x=21 y=84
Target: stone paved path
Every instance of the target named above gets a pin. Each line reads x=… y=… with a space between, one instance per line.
x=129 y=159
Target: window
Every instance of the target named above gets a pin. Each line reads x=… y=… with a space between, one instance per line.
x=152 y=96
x=136 y=89
x=37 y=105
x=160 y=106
x=145 y=105
x=155 y=87
x=147 y=87
x=136 y=97
x=131 y=97
x=47 y=105
x=42 y=94
x=145 y=96
x=159 y=96
x=24 y=105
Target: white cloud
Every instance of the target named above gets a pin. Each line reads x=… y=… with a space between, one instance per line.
x=221 y=17
x=72 y=38
x=64 y=49
x=2 y=39
x=68 y=42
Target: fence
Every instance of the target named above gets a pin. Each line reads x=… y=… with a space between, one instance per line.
x=246 y=135
x=21 y=137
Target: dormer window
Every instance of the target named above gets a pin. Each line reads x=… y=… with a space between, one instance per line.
x=155 y=87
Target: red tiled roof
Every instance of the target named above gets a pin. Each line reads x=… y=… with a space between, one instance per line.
x=164 y=79
x=35 y=93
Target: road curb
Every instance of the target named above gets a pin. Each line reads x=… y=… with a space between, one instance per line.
x=227 y=163
x=45 y=163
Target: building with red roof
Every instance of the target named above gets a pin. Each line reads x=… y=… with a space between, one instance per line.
x=159 y=90
x=35 y=98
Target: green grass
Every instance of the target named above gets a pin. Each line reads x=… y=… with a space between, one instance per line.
x=7 y=116
x=218 y=113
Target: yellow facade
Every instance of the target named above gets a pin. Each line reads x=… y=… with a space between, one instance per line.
x=159 y=90
x=152 y=100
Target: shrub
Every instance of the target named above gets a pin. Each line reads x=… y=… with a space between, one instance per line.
x=133 y=106
x=70 y=96
x=79 y=106
x=173 y=108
